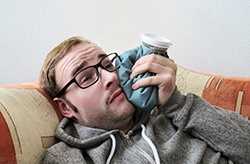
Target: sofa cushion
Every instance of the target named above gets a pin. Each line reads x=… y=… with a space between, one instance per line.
x=28 y=120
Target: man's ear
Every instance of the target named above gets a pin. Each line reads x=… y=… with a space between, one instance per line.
x=64 y=108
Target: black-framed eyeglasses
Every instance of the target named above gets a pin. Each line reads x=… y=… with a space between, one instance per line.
x=90 y=75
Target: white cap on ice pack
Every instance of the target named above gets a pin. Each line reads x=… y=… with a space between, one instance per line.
x=155 y=40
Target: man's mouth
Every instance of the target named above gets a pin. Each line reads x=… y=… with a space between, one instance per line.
x=116 y=96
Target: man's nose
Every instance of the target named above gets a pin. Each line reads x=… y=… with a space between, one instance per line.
x=108 y=78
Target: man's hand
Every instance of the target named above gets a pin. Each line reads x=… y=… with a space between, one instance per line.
x=165 y=75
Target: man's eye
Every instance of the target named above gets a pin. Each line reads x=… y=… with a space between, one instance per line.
x=86 y=77
x=108 y=65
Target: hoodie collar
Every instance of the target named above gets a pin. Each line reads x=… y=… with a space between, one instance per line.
x=81 y=136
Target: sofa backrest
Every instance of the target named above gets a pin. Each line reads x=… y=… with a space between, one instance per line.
x=231 y=93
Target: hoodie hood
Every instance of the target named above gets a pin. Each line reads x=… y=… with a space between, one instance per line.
x=80 y=136
x=98 y=141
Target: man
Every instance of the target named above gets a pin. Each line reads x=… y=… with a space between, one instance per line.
x=102 y=126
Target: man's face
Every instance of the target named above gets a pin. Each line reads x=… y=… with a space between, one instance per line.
x=102 y=105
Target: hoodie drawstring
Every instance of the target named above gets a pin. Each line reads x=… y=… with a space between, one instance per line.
x=112 y=149
x=151 y=144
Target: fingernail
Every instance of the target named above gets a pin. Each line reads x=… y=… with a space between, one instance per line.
x=133 y=86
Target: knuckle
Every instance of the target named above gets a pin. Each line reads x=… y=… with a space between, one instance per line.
x=152 y=57
x=150 y=80
x=149 y=65
x=172 y=60
x=169 y=78
x=155 y=57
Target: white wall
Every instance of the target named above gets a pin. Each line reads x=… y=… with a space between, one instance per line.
x=210 y=36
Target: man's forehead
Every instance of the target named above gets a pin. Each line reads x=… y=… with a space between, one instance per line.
x=76 y=58
x=84 y=52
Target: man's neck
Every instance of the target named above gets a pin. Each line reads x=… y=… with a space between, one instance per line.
x=128 y=127
x=136 y=118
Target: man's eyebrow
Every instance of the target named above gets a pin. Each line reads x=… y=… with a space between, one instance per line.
x=82 y=65
x=78 y=68
x=102 y=56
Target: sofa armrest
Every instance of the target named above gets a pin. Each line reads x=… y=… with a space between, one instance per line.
x=28 y=119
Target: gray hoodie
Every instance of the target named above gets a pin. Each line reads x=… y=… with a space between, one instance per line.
x=186 y=129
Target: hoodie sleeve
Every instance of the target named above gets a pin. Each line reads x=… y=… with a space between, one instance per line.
x=50 y=159
x=223 y=130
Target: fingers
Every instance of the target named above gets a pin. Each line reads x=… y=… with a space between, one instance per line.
x=153 y=58
x=156 y=80
x=152 y=63
x=165 y=75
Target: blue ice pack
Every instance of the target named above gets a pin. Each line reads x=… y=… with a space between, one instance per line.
x=145 y=98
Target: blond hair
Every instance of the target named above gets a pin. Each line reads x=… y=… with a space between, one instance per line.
x=47 y=75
